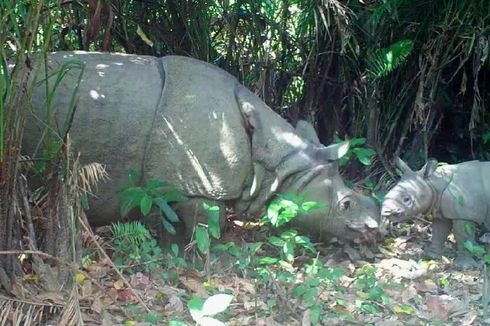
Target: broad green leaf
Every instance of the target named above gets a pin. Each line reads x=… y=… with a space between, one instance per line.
x=315 y=313
x=202 y=239
x=357 y=141
x=145 y=204
x=474 y=249
x=166 y=209
x=168 y=226
x=175 y=249
x=213 y=220
x=289 y=234
x=214 y=227
x=275 y=241
x=216 y=304
x=156 y=183
x=195 y=306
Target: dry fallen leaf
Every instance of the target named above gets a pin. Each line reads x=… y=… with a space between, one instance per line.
x=195 y=286
x=119 y=284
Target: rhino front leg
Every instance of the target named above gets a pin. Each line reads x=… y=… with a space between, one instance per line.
x=464 y=231
x=192 y=212
x=440 y=230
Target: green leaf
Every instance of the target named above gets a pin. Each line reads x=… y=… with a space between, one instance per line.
x=473 y=248
x=268 y=260
x=315 y=313
x=168 y=226
x=275 y=241
x=354 y=142
x=288 y=249
x=145 y=204
x=202 y=239
x=213 y=220
x=166 y=209
x=195 y=306
x=216 y=304
x=175 y=249
x=156 y=183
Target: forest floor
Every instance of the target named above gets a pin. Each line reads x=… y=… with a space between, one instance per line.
x=384 y=284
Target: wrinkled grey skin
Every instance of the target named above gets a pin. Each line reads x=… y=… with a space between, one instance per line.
x=191 y=123
x=457 y=196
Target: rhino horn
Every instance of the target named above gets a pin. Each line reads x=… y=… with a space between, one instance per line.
x=333 y=152
x=428 y=169
x=403 y=166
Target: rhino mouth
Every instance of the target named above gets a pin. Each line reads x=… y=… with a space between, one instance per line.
x=365 y=230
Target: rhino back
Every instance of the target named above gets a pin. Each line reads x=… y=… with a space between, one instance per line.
x=468 y=192
x=173 y=118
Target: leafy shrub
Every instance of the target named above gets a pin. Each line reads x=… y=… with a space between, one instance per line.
x=156 y=195
x=134 y=247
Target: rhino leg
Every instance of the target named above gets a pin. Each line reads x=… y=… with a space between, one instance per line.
x=440 y=230
x=192 y=212
x=464 y=231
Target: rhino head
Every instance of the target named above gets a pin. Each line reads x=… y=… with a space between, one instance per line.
x=411 y=196
x=346 y=214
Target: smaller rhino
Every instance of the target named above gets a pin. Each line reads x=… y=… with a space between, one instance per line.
x=457 y=196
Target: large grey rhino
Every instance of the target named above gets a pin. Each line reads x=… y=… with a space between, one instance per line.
x=457 y=196
x=193 y=124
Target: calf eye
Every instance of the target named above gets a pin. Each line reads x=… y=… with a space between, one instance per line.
x=407 y=199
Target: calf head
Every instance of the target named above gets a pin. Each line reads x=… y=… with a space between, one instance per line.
x=411 y=196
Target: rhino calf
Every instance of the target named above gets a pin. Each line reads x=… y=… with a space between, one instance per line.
x=192 y=124
x=457 y=196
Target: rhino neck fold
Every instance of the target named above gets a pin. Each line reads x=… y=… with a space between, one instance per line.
x=161 y=71
x=437 y=185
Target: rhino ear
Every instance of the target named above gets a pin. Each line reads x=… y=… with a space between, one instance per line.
x=305 y=130
x=333 y=152
x=403 y=166
x=428 y=169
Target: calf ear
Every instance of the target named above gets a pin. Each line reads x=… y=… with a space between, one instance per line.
x=333 y=152
x=428 y=169
x=403 y=166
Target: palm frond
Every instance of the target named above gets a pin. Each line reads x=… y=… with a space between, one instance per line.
x=383 y=61
x=91 y=174
x=23 y=312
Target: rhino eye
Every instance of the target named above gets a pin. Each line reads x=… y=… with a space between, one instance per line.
x=407 y=199
x=345 y=205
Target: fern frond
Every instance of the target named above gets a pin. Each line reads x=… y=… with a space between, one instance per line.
x=385 y=60
x=134 y=232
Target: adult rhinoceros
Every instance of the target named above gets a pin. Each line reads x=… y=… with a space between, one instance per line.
x=193 y=124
